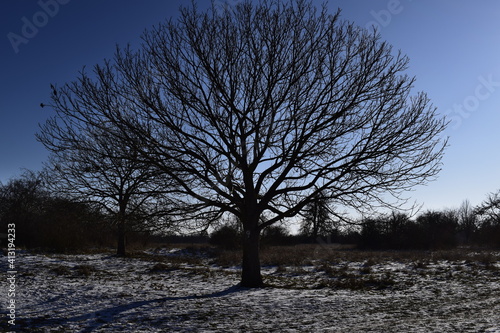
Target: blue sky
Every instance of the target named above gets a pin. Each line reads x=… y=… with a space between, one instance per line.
x=453 y=46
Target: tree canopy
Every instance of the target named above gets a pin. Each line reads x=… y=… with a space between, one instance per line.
x=257 y=108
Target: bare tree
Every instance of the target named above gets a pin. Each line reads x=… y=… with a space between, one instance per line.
x=256 y=109
x=317 y=217
x=489 y=210
x=489 y=219
x=467 y=220
x=89 y=165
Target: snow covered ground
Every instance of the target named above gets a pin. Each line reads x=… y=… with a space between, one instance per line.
x=163 y=292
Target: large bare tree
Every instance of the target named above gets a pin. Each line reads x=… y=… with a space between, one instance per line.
x=256 y=109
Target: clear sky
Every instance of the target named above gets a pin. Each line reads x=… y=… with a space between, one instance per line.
x=453 y=45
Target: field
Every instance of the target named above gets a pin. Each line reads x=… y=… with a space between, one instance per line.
x=310 y=289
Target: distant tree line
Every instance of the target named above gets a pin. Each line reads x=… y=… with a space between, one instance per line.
x=59 y=223
x=431 y=230
x=51 y=221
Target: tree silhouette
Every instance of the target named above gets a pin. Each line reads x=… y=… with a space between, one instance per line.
x=490 y=208
x=256 y=109
x=22 y=202
x=46 y=220
x=488 y=214
x=317 y=217
x=468 y=220
x=88 y=165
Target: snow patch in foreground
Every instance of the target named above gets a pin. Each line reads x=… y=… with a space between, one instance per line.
x=102 y=293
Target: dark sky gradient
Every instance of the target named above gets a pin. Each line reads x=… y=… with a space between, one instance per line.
x=80 y=33
x=453 y=45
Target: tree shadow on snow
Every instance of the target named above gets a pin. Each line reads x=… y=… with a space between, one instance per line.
x=94 y=320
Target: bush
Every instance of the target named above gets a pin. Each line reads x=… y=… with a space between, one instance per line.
x=45 y=221
x=227 y=237
x=440 y=229
x=431 y=230
x=275 y=235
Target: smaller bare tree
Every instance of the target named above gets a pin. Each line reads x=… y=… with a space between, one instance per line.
x=88 y=165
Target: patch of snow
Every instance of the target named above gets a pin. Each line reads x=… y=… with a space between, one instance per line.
x=102 y=293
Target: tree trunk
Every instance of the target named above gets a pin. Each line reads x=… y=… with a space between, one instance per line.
x=120 y=250
x=315 y=223
x=250 y=269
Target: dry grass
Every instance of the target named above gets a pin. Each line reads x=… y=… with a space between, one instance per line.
x=308 y=254
x=76 y=271
x=317 y=266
